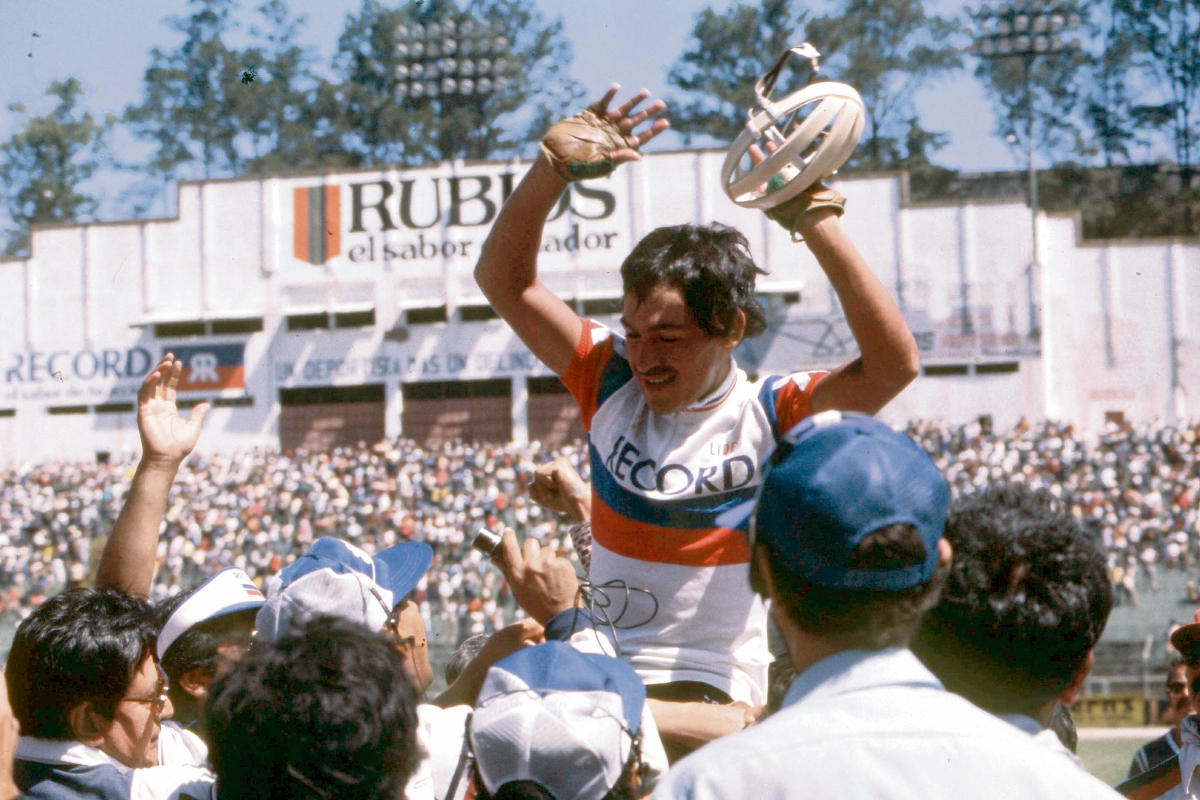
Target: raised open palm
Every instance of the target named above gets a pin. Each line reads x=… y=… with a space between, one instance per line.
x=165 y=435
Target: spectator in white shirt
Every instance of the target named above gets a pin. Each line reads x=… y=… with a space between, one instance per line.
x=846 y=532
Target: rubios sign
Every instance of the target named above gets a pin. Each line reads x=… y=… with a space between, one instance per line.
x=431 y=215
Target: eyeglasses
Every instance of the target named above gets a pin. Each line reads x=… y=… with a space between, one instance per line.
x=158 y=700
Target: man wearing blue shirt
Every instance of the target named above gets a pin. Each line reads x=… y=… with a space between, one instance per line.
x=846 y=532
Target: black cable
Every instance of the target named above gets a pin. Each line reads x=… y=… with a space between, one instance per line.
x=598 y=602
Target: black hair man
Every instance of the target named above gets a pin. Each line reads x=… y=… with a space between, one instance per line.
x=1025 y=603
x=326 y=711
x=1175 y=777
x=88 y=695
x=676 y=431
x=847 y=541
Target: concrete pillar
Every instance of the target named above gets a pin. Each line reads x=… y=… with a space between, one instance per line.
x=520 y=410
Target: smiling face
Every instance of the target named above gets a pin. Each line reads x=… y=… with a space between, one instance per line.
x=674 y=361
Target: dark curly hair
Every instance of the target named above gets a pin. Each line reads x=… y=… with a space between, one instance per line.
x=1027 y=600
x=84 y=645
x=325 y=712
x=711 y=267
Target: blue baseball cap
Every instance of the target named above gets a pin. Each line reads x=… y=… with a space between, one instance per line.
x=335 y=578
x=834 y=479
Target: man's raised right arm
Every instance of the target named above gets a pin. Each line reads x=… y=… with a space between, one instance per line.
x=507 y=268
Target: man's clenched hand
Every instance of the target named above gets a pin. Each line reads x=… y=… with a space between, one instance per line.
x=542 y=583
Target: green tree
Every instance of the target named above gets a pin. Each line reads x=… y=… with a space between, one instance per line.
x=1166 y=36
x=727 y=55
x=885 y=49
x=287 y=113
x=382 y=126
x=1108 y=102
x=45 y=162
x=1037 y=97
x=190 y=104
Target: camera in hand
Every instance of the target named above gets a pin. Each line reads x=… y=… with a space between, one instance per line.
x=487 y=543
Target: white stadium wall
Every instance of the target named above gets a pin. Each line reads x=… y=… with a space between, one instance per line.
x=233 y=280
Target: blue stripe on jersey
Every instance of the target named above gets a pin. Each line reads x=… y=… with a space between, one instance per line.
x=690 y=514
x=616 y=374
x=766 y=399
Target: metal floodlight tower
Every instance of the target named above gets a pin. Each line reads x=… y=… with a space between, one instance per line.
x=1027 y=30
x=454 y=60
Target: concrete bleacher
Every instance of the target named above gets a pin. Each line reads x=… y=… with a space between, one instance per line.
x=1132 y=653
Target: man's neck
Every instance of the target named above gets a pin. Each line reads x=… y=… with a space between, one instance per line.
x=805 y=648
x=719 y=378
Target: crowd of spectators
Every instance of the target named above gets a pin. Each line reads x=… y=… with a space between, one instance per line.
x=259 y=511
x=1137 y=487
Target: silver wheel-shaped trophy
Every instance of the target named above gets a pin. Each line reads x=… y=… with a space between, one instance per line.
x=806 y=137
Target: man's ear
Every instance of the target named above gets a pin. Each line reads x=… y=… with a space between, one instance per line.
x=196 y=682
x=1071 y=693
x=87 y=724
x=739 y=331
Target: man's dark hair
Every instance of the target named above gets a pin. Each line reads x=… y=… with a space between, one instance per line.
x=1027 y=599
x=464 y=655
x=711 y=267
x=196 y=648
x=859 y=618
x=327 y=711
x=82 y=645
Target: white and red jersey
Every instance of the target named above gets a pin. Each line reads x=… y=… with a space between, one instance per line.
x=659 y=481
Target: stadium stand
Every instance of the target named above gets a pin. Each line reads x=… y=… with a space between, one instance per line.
x=1136 y=488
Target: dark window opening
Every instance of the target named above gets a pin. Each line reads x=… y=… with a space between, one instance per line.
x=477 y=313
x=311 y=395
x=233 y=402
x=1115 y=417
x=1000 y=368
x=790 y=298
x=943 y=370
x=8 y=412
x=550 y=385
x=601 y=306
x=114 y=408
x=102 y=457
x=165 y=330
x=426 y=316
x=355 y=319
x=57 y=410
x=447 y=390
x=246 y=325
x=307 y=322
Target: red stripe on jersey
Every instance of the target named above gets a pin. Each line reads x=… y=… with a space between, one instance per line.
x=713 y=547
x=793 y=403
x=583 y=375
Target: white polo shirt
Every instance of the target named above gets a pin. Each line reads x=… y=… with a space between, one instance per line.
x=878 y=725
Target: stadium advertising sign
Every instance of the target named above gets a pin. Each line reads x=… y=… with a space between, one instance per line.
x=214 y=366
x=89 y=373
x=437 y=216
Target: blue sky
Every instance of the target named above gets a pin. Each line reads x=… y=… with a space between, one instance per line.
x=106 y=45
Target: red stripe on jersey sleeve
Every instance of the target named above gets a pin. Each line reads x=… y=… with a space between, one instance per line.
x=793 y=403
x=583 y=374
x=714 y=547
